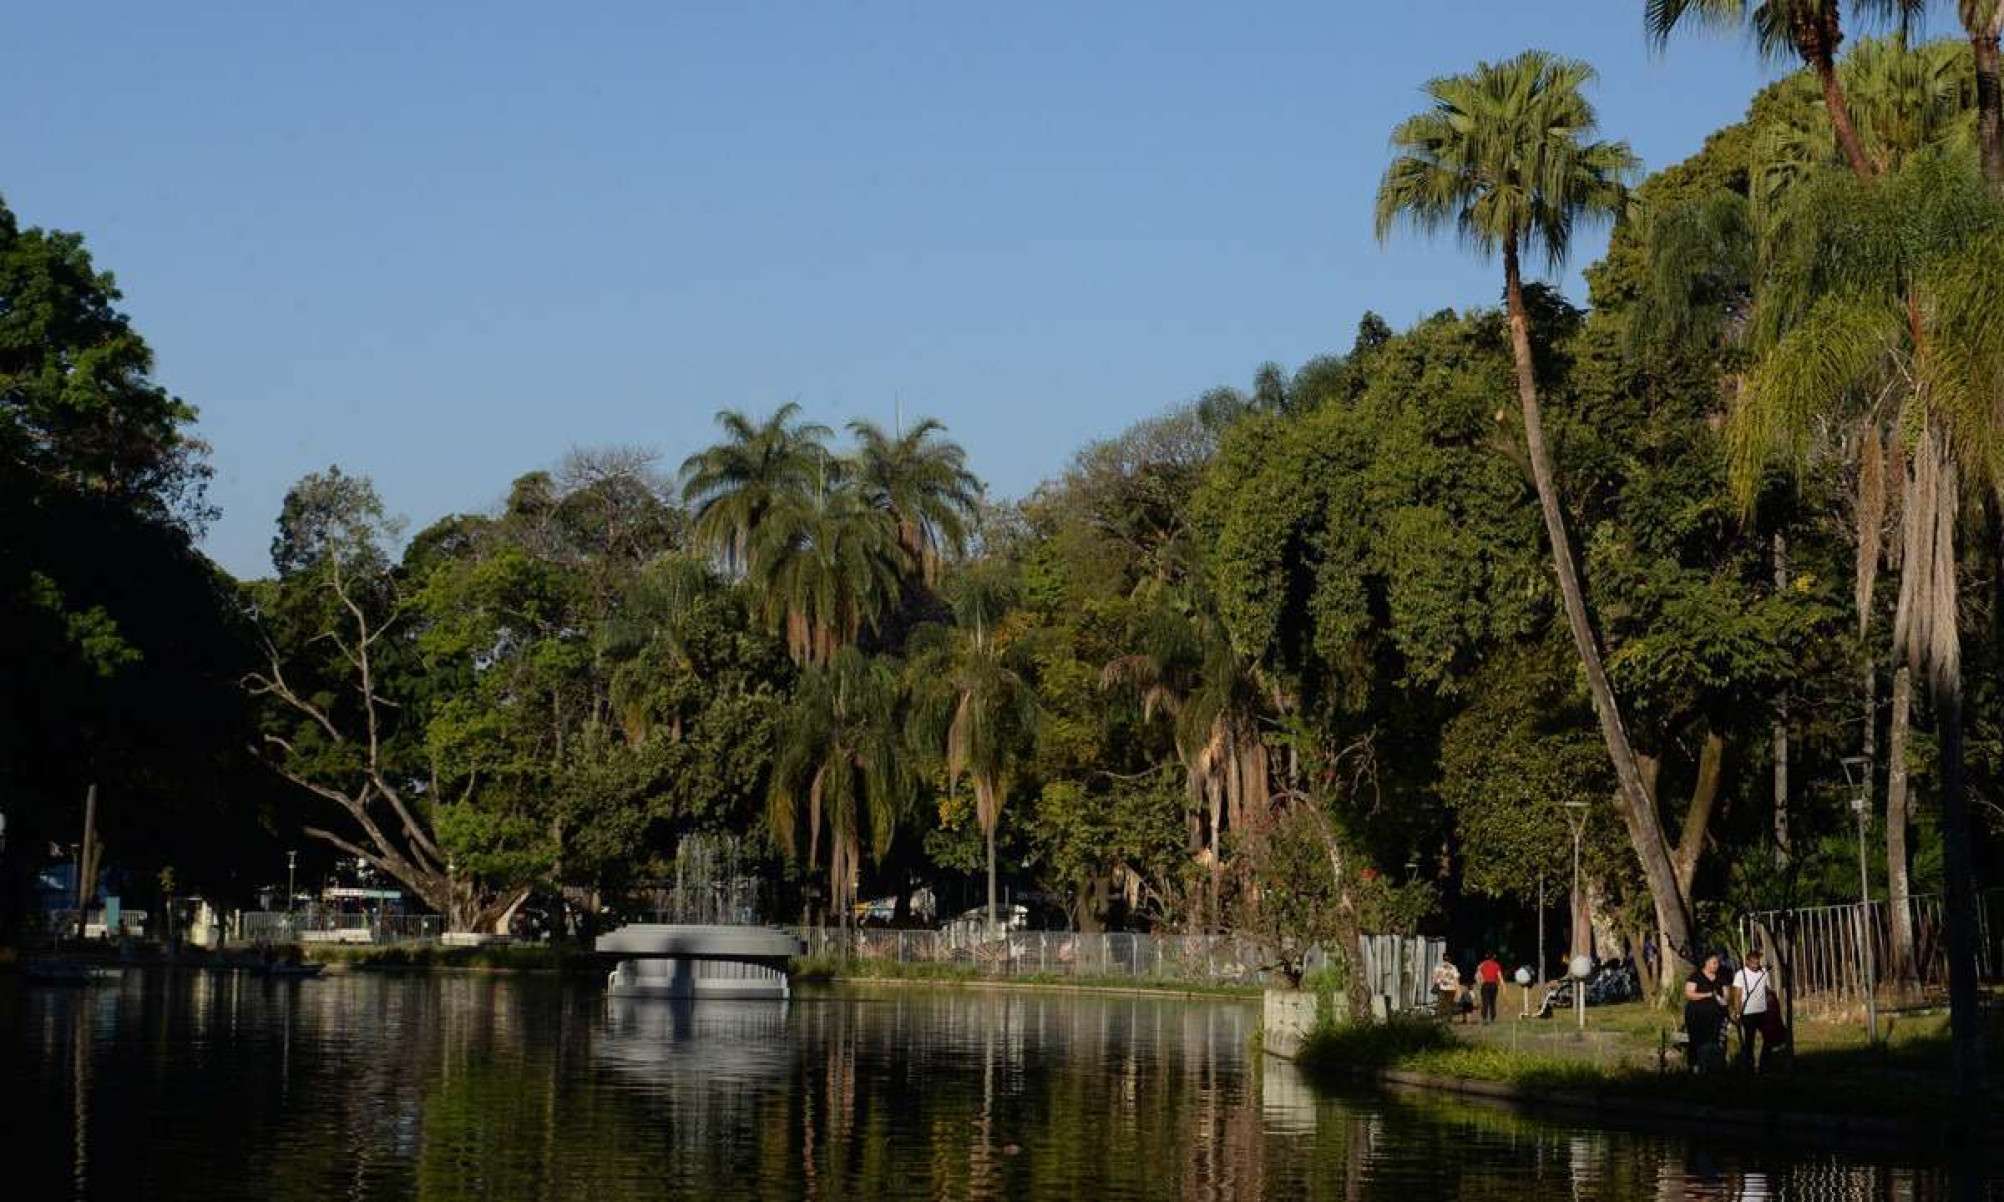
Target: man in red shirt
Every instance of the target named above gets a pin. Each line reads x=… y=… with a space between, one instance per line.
x=1490 y=976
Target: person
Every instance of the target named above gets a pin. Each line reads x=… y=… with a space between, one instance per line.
x=1649 y=957
x=1753 y=989
x=1489 y=976
x=1704 y=1010
x=1446 y=987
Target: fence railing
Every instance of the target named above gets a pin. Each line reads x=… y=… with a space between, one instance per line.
x=277 y=926
x=1389 y=961
x=1827 y=944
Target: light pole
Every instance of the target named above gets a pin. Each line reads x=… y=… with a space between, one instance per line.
x=291 y=866
x=1858 y=774
x=1576 y=815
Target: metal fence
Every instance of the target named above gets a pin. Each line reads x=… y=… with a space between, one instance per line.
x=309 y=926
x=1828 y=942
x=1391 y=963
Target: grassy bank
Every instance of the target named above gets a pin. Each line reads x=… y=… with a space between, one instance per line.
x=430 y=956
x=835 y=969
x=1836 y=1072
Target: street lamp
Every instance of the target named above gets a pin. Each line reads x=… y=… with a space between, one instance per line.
x=1576 y=816
x=291 y=866
x=1858 y=774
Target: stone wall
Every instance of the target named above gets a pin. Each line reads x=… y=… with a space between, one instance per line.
x=1285 y=1021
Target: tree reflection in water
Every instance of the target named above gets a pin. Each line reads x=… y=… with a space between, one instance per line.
x=462 y=1086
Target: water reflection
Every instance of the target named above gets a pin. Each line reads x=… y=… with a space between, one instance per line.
x=449 y=1087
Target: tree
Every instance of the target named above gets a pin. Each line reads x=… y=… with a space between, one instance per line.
x=1505 y=157
x=757 y=468
x=1984 y=21
x=1217 y=700
x=840 y=764
x=825 y=569
x=972 y=708
x=1811 y=30
x=342 y=719
x=919 y=478
x=1892 y=290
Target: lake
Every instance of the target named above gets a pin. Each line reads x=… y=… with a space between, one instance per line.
x=445 y=1086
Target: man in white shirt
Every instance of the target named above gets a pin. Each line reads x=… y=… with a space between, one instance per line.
x=1753 y=990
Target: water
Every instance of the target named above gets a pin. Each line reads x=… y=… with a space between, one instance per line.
x=461 y=1086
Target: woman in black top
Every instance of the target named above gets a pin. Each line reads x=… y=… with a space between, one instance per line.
x=1704 y=1004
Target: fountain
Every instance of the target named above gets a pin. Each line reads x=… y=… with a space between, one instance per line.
x=706 y=940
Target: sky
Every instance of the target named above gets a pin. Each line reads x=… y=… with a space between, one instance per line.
x=440 y=244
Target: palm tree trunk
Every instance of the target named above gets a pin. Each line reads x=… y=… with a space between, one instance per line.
x=1824 y=60
x=1898 y=816
x=1983 y=39
x=1645 y=831
x=1965 y=1018
x=1781 y=838
x=991 y=878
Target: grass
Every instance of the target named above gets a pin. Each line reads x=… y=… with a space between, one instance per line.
x=835 y=969
x=419 y=955
x=1836 y=1072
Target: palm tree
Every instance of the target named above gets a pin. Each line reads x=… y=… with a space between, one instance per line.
x=757 y=468
x=1505 y=157
x=972 y=705
x=1810 y=30
x=920 y=478
x=825 y=569
x=839 y=764
x=1984 y=22
x=1896 y=290
x=1188 y=669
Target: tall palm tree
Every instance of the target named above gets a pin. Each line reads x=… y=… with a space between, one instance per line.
x=757 y=468
x=1896 y=290
x=825 y=569
x=972 y=706
x=1506 y=157
x=1811 y=30
x=920 y=478
x=1983 y=20
x=840 y=765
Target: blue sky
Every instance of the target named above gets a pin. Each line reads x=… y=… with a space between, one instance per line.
x=441 y=243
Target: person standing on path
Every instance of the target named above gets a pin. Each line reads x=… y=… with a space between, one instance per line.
x=1705 y=1014
x=1446 y=987
x=1489 y=976
x=1755 y=996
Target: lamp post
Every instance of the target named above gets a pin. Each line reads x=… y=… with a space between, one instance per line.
x=1576 y=815
x=291 y=874
x=1858 y=774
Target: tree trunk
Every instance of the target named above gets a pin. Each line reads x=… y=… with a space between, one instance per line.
x=991 y=878
x=1965 y=1017
x=1781 y=839
x=1990 y=99
x=1645 y=831
x=1825 y=64
x=1898 y=816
